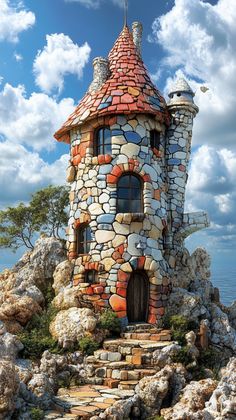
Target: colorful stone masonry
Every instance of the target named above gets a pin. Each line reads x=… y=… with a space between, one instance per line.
x=128 y=172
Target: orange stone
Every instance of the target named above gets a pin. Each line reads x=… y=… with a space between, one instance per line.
x=111 y=179
x=133 y=91
x=121 y=292
x=117 y=303
x=157 y=194
x=152 y=319
x=121 y=314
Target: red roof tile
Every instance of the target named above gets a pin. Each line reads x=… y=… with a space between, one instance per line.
x=129 y=89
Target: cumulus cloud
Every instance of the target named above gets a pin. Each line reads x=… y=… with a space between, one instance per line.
x=199 y=38
x=212 y=187
x=23 y=172
x=31 y=120
x=59 y=58
x=14 y=20
x=18 y=57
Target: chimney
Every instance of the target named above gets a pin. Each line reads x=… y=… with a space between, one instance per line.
x=100 y=73
x=137 y=28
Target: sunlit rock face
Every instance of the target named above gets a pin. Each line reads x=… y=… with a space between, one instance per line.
x=128 y=172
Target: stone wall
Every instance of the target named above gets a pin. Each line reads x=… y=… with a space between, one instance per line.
x=114 y=252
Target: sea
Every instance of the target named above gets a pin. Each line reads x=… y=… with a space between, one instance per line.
x=225 y=280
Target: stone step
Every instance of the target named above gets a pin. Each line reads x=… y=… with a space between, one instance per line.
x=106 y=355
x=127 y=385
x=141 y=326
x=162 y=336
x=125 y=346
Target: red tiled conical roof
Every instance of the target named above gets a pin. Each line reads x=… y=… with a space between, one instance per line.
x=129 y=89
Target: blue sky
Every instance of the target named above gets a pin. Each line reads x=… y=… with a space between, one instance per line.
x=46 y=53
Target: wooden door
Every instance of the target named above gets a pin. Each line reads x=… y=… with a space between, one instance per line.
x=137 y=297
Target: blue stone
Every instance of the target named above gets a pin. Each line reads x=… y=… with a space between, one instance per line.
x=103 y=226
x=145 y=141
x=106 y=218
x=174 y=148
x=89 y=200
x=101 y=177
x=134 y=263
x=102 y=106
x=142 y=155
x=132 y=137
x=179 y=210
x=105 y=169
x=123 y=322
x=117 y=133
x=174 y=161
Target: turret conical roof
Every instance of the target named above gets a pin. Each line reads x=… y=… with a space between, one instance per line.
x=129 y=89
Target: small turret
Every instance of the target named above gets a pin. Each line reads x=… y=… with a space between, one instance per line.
x=181 y=95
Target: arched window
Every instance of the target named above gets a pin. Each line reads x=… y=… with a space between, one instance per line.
x=155 y=139
x=103 y=141
x=91 y=276
x=129 y=194
x=84 y=239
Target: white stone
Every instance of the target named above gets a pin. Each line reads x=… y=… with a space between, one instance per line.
x=120 y=228
x=180 y=182
x=104 y=198
x=103 y=236
x=148 y=169
x=95 y=209
x=130 y=149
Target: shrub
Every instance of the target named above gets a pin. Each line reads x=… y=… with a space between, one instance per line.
x=179 y=326
x=183 y=357
x=88 y=345
x=37 y=414
x=109 y=321
x=36 y=337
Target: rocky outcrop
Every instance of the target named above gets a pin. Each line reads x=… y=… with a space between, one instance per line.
x=21 y=288
x=153 y=390
x=194 y=297
x=9 y=388
x=68 y=298
x=70 y=325
x=10 y=345
x=192 y=400
x=62 y=276
x=222 y=404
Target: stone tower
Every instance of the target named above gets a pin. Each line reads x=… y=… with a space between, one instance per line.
x=128 y=171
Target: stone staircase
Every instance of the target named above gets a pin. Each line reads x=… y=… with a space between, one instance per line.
x=112 y=372
x=123 y=361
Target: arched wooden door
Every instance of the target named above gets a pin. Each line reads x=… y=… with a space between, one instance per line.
x=137 y=297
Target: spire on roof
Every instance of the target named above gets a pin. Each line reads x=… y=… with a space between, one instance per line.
x=181 y=85
x=125 y=12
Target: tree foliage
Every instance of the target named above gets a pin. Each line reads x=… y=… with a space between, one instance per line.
x=46 y=213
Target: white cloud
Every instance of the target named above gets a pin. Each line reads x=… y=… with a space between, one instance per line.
x=14 y=20
x=23 y=172
x=212 y=187
x=199 y=38
x=59 y=58
x=31 y=120
x=18 y=57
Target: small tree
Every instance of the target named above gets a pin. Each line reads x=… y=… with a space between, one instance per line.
x=46 y=212
x=49 y=206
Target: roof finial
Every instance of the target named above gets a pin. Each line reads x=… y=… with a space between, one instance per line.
x=125 y=12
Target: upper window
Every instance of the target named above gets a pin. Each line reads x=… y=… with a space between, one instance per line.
x=155 y=139
x=129 y=194
x=103 y=141
x=84 y=239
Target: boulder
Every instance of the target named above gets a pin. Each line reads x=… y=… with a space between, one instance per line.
x=68 y=298
x=152 y=390
x=9 y=388
x=18 y=309
x=72 y=324
x=62 y=276
x=164 y=356
x=42 y=388
x=10 y=345
x=222 y=404
x=222 y=333
x=192 y=400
